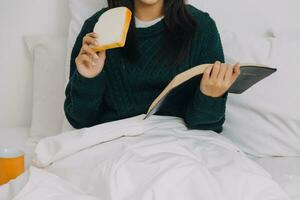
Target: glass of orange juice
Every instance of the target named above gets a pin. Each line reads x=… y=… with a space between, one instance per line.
x=11 y=164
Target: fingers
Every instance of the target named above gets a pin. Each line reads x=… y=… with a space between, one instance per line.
x=87 y=50
x=228 y=75
x=87 y=60
x=206 y=74
x=92 y=34
x=215 y=70
x=237 y=69
x=218 y=78
x=223 y=70
x=218 y=72
x=232 y=74
x=236 y=72
x=83 y=60
x=90 y=39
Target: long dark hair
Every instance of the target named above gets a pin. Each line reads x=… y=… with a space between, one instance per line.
x=180 y=25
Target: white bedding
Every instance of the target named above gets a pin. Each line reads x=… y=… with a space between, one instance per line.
x=285 y=171
x=152 y=160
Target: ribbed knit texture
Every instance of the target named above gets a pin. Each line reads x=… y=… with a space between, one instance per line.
x=125 y=89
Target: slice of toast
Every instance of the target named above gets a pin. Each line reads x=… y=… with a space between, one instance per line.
x=112 y=28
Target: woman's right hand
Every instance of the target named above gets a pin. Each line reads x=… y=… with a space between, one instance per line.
x=89 y=63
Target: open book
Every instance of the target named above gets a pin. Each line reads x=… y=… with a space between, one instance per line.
x=250 y=75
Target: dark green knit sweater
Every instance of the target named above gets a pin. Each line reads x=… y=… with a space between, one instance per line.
x=125 y=88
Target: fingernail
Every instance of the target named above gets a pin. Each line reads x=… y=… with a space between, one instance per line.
x=96 y=56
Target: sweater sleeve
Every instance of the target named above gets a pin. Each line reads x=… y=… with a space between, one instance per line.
x=204 y=112
x=84 y=96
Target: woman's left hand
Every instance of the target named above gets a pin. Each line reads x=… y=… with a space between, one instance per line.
x=218 y=78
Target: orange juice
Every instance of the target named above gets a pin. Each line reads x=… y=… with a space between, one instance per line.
x=11 y=164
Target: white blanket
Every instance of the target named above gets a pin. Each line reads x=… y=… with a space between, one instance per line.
x=156 y=159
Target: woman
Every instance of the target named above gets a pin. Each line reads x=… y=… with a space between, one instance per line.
x=166 y=37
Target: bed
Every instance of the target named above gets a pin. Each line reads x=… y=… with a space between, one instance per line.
x=272 y=141
x=284 y=170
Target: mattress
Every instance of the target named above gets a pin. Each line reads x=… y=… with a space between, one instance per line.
x=284 y=170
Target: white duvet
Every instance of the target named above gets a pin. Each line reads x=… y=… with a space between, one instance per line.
x=155 y=159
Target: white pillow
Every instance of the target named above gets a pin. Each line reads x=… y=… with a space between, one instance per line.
x=49 y=53
x=80 y=11
x=284 y=17
x=265 y=120
x=242 y=16
x=245 y=48
x=287 y=32
x=256 y=17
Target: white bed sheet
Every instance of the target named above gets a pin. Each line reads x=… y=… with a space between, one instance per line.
x=284 y=170
x=280 y=166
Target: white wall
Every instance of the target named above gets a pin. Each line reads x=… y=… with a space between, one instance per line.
x=18 y=18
